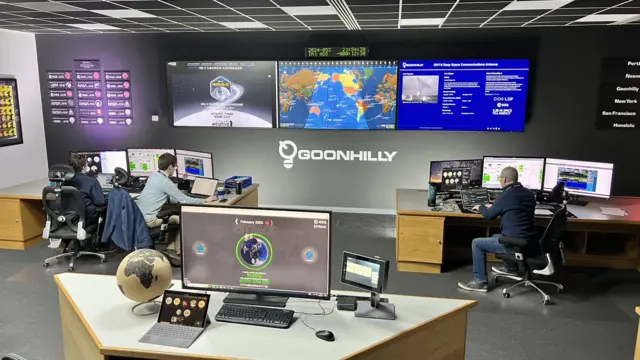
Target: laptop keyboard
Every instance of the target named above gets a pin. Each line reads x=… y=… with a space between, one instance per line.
x=174 y=331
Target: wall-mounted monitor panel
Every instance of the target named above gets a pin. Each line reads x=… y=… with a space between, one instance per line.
x=463 y=95
x=345 y=95
x=239 y=94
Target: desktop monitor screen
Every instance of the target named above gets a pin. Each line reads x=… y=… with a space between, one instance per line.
x=530 y=171
x=346 y=95
x=364 y=272
x=223 y=93
x=192 y=164
x=471 y=171
x=580 y=177
x=105 y=161
x=463 y=95
x=144 y=162
x=256 y=251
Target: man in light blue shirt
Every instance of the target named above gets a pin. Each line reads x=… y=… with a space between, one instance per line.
x=158 y=189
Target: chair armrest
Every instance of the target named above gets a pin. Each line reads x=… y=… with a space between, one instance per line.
x=167 y=213
x=13 y=357
x=513 y=241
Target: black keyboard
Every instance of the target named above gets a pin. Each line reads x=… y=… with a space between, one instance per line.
x=254 y=315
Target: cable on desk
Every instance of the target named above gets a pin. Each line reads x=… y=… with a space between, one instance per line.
x=303 y=315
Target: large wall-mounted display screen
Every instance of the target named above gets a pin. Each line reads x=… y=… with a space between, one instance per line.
x=463 y=95
x=347 y=95
x=223 y=94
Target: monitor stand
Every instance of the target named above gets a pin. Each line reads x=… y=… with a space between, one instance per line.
x=258 y=300
x=374 y=309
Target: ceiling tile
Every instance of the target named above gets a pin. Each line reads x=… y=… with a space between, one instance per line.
x=124 y=14
x=317 y=17
x=576 y=11
x=376 y=16
x=536 y=5
x=273 y=18
x=375 y=2
x=310 y=10
x=466 y=21
x=480 y=6
x=424 y=15
x=214 y=12
x=33 y=14
x=373 y=9
x=468 y=14
x=523 y=12
x=33 y=21
x=70 y=21
x=156 y=20
x=40 y=6
x=378 y=22
x=166 y=13
x=146 y=5
x=592 y=3
x=195 y=4
x=427 y=8
x=92 y=26
x=511 y=19
x=607 y=18
x=622 y=11
x=247 y=3
x=244 y=25
x=421 y=22
x=567 y=18
x=236 y=18
x=300 y=2
x=262 y=11
x=171 y=26
x=96 y=5
x=324 y=22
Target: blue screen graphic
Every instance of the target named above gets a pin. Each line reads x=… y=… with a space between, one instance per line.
x=338 y=95
x=578 y=179
x=463 y=95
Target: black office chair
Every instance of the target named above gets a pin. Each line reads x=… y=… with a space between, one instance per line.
x=159 y=235
x=529 y=260
x=13 y=357
x=66 y=217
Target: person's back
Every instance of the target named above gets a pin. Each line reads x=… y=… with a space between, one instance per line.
x=88 y=186
x=518 y=206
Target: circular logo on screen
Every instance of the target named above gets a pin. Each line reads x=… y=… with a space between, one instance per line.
x=254 y=251
x=200 y=248
x=309 y=255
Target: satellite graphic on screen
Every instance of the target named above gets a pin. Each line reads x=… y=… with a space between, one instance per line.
x=348 y=95
x=222 y=94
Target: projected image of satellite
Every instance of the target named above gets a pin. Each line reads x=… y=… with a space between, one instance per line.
x=224 y=110
x=420 y=89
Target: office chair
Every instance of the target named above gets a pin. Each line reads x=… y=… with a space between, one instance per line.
x=160 y=234
x=529 y=264
x=66 y=217
x=13 y=357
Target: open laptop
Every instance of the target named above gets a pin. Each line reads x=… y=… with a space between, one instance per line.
x=182 y=318
x=106 y=182
x=203 y=187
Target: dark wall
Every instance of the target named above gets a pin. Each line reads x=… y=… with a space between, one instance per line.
x=562 y=108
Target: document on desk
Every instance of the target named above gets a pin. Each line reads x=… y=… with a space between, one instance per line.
x=543 y=212
x=613 y=211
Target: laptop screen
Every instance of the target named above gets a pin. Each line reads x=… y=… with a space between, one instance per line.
x=202 y=186
x=184 y=308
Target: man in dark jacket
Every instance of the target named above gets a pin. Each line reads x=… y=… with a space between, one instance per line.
x=88 y=186
x=516 y=206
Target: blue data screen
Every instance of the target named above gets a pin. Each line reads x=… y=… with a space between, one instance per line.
x=463 y=95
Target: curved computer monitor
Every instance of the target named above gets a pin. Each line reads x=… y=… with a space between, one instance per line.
x=193 y=164
x=530 y=171
x=583 y=178
x=260 y=256
x=144 y=162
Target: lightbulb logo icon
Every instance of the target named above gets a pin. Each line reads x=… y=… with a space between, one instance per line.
x=290 y=147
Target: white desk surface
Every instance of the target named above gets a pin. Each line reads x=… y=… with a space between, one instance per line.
x=108 y=313
x=31 y=189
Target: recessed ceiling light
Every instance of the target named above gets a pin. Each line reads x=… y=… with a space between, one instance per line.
x=48 y=6
x=310 y=10
x=536 y=5
x=421 y=22
x=607 y=17
x=94 y=26
x=124 y=14
x=244 y=25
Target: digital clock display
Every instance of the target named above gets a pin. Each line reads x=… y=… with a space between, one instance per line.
x=337 y=52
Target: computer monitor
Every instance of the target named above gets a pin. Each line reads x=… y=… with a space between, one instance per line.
x=104 y=161
x=144 y=162
x=260 y=256
x=446 y=173
x=369 y=274
x=192 y=164
x=530 y=171
x=583 y=178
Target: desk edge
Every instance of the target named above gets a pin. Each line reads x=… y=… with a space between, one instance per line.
x=244 y=194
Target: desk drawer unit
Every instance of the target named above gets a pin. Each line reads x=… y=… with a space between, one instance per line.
x=10 y=226
x=420 y=240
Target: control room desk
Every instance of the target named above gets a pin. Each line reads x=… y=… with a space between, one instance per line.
x=97 y=323
x=425 y=236
x=22 y=218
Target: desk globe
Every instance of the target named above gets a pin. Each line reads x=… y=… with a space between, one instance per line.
x=144 y=275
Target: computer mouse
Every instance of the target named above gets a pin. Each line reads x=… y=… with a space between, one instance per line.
x=325 y=335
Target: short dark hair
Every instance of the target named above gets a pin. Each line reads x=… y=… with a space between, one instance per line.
x=78 y=162
x=165 y=160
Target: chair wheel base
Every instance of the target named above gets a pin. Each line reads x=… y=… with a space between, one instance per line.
x=103 y=260
x=546 y=301
x=45 y=264
x=70 y=269
x=506 y=295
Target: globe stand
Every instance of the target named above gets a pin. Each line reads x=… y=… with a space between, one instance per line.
x=147 y=308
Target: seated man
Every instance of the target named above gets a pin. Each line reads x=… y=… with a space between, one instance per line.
x=158 y=190
x=516 y=205
x=88 y=186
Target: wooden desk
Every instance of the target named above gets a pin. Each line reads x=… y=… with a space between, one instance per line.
x=21 y=215
x=637 y=353
x=591 y=239
x=97 y=323
x=22 y=218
